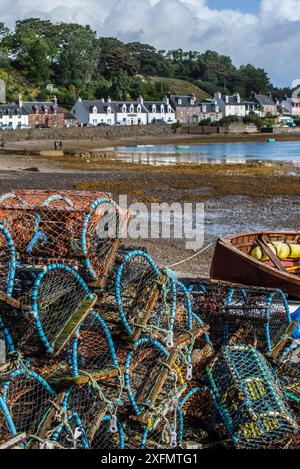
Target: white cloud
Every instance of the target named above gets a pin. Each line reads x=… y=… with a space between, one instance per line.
x=269 y=39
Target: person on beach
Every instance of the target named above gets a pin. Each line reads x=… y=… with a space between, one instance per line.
x=61 y=145
x=55 y=145
x=2 y=145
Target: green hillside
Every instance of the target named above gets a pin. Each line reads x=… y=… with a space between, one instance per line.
x=16 y=84
x=179 y=87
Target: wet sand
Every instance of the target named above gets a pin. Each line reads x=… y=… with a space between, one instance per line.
x=237 y=198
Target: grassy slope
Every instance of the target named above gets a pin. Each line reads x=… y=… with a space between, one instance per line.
x=180 y=87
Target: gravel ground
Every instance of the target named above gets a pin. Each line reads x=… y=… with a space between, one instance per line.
x=236 y=199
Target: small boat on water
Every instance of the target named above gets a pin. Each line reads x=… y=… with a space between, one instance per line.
x=271 y=140
x=182 y=147
x=262 y=258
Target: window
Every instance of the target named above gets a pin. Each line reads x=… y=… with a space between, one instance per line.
x=131 y=108
x=192 y=102
x=179 y=101
x=124 y=108
x=204 y=108
x=153 y=108
x=109 y=110
x=162 y=108
x=139 y=109
x=94 y=110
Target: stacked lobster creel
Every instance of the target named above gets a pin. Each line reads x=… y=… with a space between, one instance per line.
x=96 y=348
x=287 y=371
x=244 y=315
x=80 y=228
x=151 y=310
x=248 y=320
x=248 y=399
x=47 y=316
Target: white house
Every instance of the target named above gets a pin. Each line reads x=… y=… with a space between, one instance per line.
x=130 y=112
x=291 y=106
x=231 y=105
x=140 y=112
x=159 y=111
x=94 y=112
x=12 y=116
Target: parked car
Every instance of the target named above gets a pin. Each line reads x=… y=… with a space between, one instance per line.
x=23 y=126
x=158 y=121
x=120 y=123
x=7 y=127
x=103 y=124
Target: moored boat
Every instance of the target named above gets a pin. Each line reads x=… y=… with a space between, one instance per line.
x=182 y=147
x=262 y=258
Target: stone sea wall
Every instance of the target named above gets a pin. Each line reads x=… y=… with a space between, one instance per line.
x=87 y=133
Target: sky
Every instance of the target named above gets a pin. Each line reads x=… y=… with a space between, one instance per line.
x=265 y=33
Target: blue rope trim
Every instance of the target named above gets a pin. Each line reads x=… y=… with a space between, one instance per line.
x=118 y=282
x=10 y=282
x=35 y=239
x=109 y=340
x=120 y=427
x=83 y=237
x=35 y=297
x=127 y=378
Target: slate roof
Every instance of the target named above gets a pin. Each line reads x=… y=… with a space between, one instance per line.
x=232 y=100
x=264 y=100
x=98 y=103
x=185 y=101
x=31 y=106
x=118 y=105
x=148 y=105
x=14 y=108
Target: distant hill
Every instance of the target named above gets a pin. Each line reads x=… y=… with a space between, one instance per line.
x=179 y=87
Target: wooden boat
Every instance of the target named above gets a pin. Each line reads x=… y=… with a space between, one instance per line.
x=182 y=147
x=232 y=261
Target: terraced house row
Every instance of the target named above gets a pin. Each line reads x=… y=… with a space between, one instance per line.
x=183 y=109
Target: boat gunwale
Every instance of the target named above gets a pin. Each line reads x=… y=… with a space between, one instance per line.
x=226 y=242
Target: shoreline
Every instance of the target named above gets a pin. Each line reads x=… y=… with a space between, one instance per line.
x=72 y=146
x=236 y=197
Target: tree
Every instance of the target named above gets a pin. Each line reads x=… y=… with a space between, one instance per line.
x=251 y=79
x=120 y=86
x=34 y=46
x=115 y=57
x=4 y=45
x=150 y=61
x=79 y=55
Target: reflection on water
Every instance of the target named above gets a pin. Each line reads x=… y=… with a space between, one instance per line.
x=229 y=152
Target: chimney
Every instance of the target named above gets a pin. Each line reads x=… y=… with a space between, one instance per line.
x=140 y=100
x=238 y=98
x=79 y=99
x=102 y=100
x=20 y=100
x=166 y=100
x=109 y=99
x=226 y=99
x=218 y=95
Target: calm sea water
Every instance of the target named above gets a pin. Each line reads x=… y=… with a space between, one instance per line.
x=230 y=152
